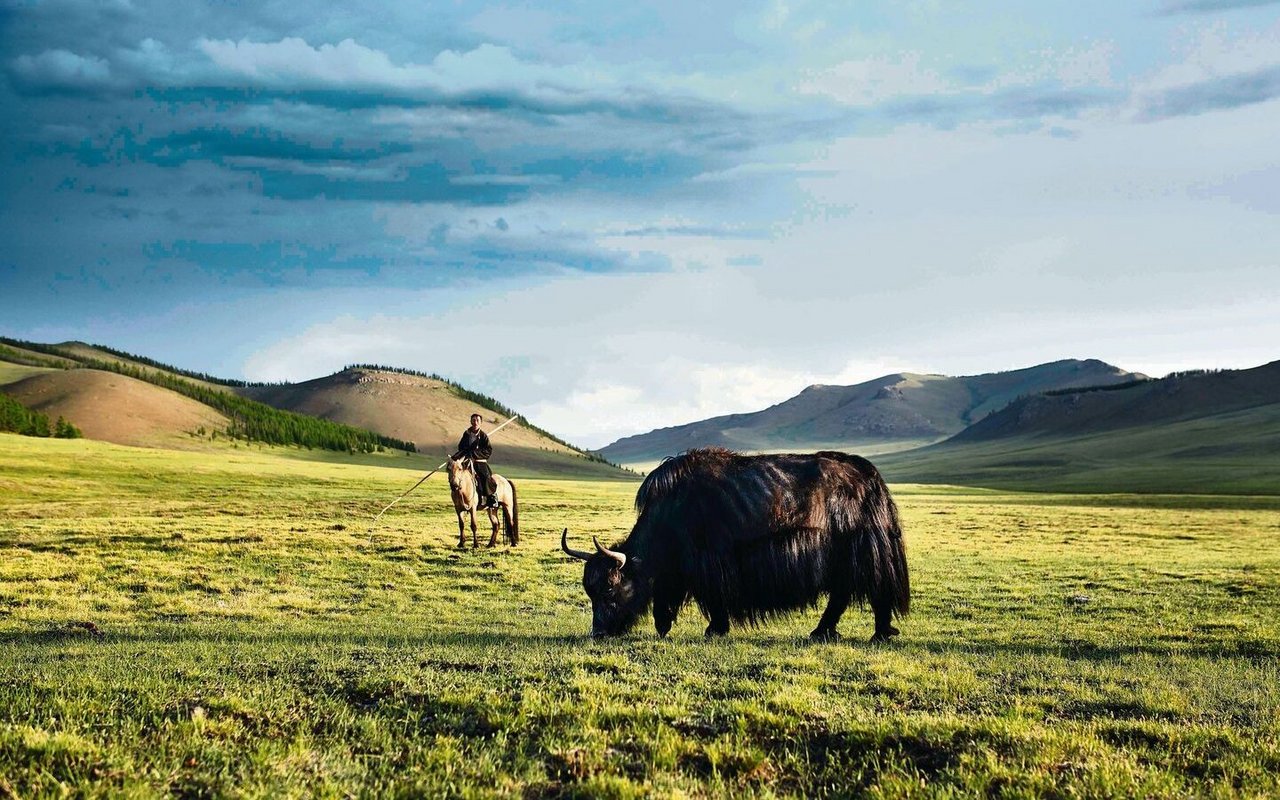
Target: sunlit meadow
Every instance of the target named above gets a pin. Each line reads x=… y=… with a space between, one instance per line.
x=172 y=623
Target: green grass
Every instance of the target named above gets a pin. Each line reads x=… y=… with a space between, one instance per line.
x=10 y=373
x=172 y=623
x=1231 y=453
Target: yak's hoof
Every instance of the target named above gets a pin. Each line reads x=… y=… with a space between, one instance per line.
x=712 y=633
x=828 y=635
x=882 y=637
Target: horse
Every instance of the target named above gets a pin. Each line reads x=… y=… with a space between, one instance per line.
x=462 y=488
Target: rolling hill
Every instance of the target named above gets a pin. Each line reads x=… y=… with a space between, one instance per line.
x=894 y=412
x=132 y=400
x=425 y=410
x=116 y=408
x=1213 y=432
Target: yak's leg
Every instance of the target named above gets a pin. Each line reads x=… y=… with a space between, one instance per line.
x=719 y=620
x=668 y=596
x=836 y=605
x=840 y=581
x=883 y=609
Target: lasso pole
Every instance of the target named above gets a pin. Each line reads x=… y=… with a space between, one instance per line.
x=433 y=472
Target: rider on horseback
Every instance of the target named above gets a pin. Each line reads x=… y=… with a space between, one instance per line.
x=474 y=444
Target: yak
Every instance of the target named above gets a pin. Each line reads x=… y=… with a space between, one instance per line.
x=749 y=538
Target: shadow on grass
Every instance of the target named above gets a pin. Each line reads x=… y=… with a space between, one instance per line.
x=267 y=635
x=345 y=636
x=1079 y=650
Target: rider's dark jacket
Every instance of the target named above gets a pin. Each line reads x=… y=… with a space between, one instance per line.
x=475 y=445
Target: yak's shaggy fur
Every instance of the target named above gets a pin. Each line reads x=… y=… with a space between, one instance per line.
x=748 y=537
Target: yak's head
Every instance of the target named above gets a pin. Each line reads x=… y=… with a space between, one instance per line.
x=616 y=585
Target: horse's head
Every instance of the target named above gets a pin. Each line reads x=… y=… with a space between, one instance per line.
x=457 y=468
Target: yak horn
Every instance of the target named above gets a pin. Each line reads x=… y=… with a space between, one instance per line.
x=564 y=545
x=621 y=558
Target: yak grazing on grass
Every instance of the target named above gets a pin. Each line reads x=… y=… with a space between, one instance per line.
x=750 y=537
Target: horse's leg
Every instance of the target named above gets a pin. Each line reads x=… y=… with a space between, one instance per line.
x=504 y=513
x=475 y=542
x=462 y=536
x=512 y=516
x=493 y=521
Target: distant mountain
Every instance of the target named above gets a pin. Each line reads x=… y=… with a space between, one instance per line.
x=1211 y=432
x=1176 y=398
x=894 y=412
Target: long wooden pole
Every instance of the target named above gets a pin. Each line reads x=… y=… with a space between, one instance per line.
x=433 y=472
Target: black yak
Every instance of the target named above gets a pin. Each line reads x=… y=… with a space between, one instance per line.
x=750 y=537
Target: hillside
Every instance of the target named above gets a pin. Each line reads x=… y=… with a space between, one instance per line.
x=79 y=352
x=894 y=412
x=420 y=409
x=127 y=399
x=1171 y=399
x=116 y=408
x=1200 y=433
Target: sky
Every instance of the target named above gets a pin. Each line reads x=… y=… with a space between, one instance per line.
x=618 y=217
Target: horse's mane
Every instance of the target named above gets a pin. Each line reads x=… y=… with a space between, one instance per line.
x=667 y=477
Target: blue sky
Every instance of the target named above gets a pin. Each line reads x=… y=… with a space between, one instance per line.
x=616 y=219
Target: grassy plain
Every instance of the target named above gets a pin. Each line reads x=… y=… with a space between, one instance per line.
x=1236 y=452
x=176 y=623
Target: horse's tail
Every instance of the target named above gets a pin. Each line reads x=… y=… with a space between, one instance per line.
x=511 y=516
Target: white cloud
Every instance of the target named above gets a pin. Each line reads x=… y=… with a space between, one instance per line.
x=965 y=249
x=1214 y=51
x=1219 y=68
x=874 y=80
x=959 y=252
x=349 y=64
x=868 y=81
x=1087 y=66
x=62 y=69
x=151 y=58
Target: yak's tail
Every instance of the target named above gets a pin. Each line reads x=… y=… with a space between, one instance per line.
x=511 y=516
x=880 y=555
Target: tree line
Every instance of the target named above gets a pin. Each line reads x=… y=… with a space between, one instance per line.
x=28 y=359
x=17 y=418
x=258 y=422
x=249 y=419
x=55 y=350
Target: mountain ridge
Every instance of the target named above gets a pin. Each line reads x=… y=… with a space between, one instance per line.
x=1174 y=398
x=892 y=412
x=1204 y=432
